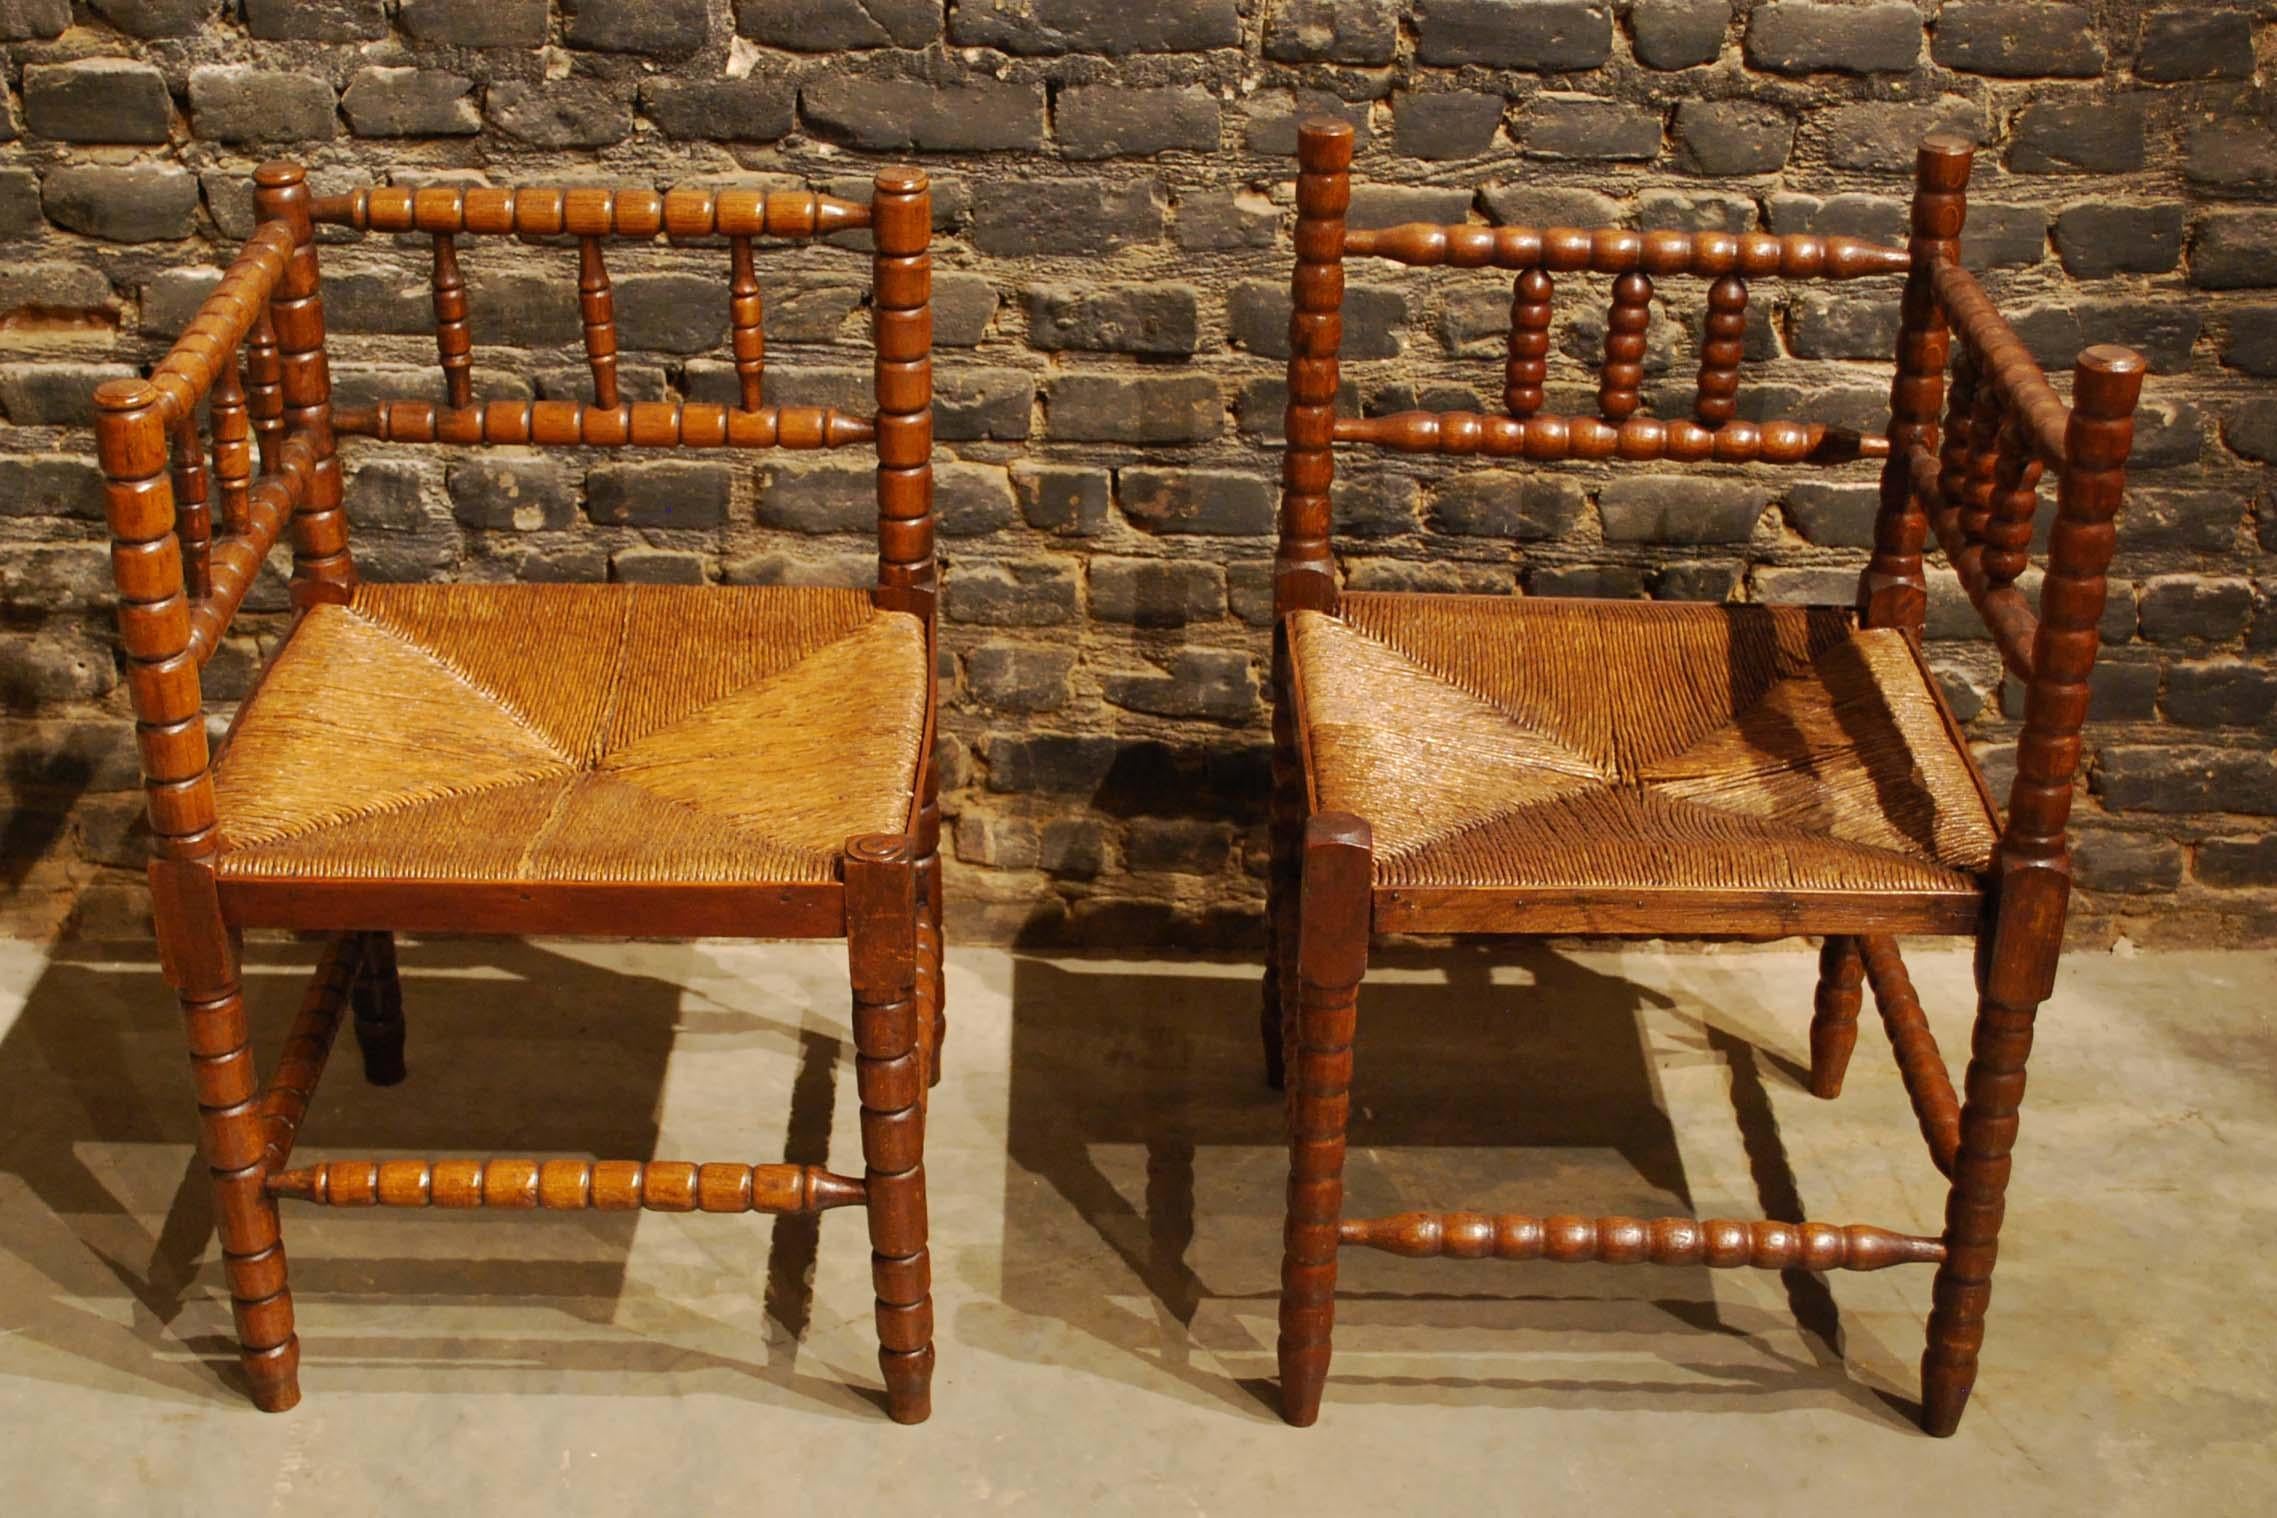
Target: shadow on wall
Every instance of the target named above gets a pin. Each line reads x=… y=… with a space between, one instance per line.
x=515 y=1050
x=1144 y=1190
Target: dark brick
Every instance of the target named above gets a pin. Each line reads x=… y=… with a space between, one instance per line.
x=43 y=579
x=2198 y=43
x=52 y=669
x=852 y=570
x=50 y=485
x=971 y=115
x=472 y=23
x=241 y=104
x=2165 y=333
x=1704 y=580
x=2230 y=154
x=796 y=312
x=143 y=202
x=1805 y=585
x=387 y=495
x=1005 y=843
x=1248 y=589
x=1178 y=845
x=1997 y=236
x=1445 y=124
x=971 y=499
x=501 y=491
x=1094 y=26
x=2251 y=429
x=1373 y=503
x=2096 y=239
x=158 y=18
x=316 y=20
x=1068 y=763
x=2250 y=343
x=1884 y=137
x=2074 y=136
x=2168 y=433
x=55 y=394
x=963 y=307
x=2200 y=521
x=1531 y=205
x=1584 y=127
x=1216 y=501
x=657 y=28
x=2016 y=39
x=1216 y=683
x=1549 y=35
x=1679 y=509
x=683 y=313
x=729 y=110
x=1023 y=593
x=1833 y=515
x=1733 y=136
x=1257 y=319
x=1807 y=36
x=1119 y=121
x=1105 y=408
x=667 y=493
x=1152 y=318
x=2193 y=609
x=2159 y=778
x=1012 y=219
x=24 y=20
x=1611 y=582
x=169 y=301
x=1823 y=325
x=1019 y=677
x=1075 y=847
x=1527 y=509
x=1676 y=34
x=573 y=113
x=1852 y=215
x=2234 y=250
x=824 y=26
x=1388 y=205
x=983 y=403
x=1274 y=116
x=1064 y=499
x=2125 y=863
x=97 y=100
x=1214 y=220
x=656 y=566
x=410 y=103
x=521 y=307
x=1331 y=31
x=2238 y=863
x=1686 y=211
x=567 y=564
x=2220 y=693
x=820 y=496
x=1156 y=592
x=19 y=205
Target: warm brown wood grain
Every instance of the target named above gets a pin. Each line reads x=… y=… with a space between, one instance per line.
x=1622 y=373
x=1718 y=1243
x=1545 y=439
x=1529 y=363
x=1834 y=1014
x=1304 y=572
x=1618 y=250
x=1928 y=1084
x=1723 y=344
x=253 y=360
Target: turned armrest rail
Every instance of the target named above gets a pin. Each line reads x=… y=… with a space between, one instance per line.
x=571 y=1185
x=1616 y=250
x=592 y=212
x=1548 y=438
x=635 y=424
x=1719 y=1243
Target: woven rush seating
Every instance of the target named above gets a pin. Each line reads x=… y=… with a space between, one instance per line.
x=576 y=733
x=1570 y=745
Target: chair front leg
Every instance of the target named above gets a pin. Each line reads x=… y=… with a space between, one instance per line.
x=882 y=913
x=1834 y=1014
x=1333 y=913
x=378 y=998
x=1285 y=838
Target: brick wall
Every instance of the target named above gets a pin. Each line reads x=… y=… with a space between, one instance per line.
x=1112 y=179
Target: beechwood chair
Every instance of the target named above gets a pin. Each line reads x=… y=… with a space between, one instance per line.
x=1478 y=764
x=524 y=758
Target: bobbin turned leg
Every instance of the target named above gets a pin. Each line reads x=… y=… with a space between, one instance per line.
x=200 y=957
x=932 y=974
x=378 y=998
x=1834 y=1014
x=1332 y=955
x=1285 y=829
x=882 y=910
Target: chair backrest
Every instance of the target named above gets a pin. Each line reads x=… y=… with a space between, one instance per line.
x=1963 y=460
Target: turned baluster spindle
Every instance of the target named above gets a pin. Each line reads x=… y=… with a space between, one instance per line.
x=1986 y=417
x=745 y=317
x=193 y=511
x=2015 y=501
x=1304 y=570
x=323 y=569
x=264 y=389
x=454 y=342
x=1722 y=346
x=232 y=446
x=1955 y=448
x=1622 y=378
x=1529 y=366
x=901 y=315
x=597 y=305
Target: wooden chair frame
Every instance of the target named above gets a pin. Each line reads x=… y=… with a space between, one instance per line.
x=1971 y=479
x=255 y=355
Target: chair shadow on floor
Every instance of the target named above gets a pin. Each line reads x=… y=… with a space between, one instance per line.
x=515 y=1049
x=1146 y=1173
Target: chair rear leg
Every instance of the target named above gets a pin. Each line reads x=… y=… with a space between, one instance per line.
x=1332 y=955
x=200 y=954
x=882 y=912
x=378 y=998
x=1285 y=830
x=931 y=966
x=1834 y=1014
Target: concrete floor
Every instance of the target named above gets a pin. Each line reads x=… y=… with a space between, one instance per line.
x=1106 y=1183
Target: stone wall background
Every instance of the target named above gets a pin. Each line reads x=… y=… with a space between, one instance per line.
x=1112 y=179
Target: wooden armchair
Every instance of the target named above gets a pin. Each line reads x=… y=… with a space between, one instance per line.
x=1475 y=764
x=520 y=758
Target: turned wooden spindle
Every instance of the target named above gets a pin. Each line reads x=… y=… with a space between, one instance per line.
x=1986 y=418
x=264 y=388
x=901 y=319
x=1529 y=364
x=1718 y=1243
x=635 y=424
x=1304 y=570
x=1617 y=250
x=1547 y=438
x=308 y=1045
x=683 y=214
x=569 y=1185
x=1723 y=344
x=193 y=510
x=597 y=307
x=1622 y=376
x=323 y=570
x=1921 y=1065
x=1958 y=438
x=2015 y=502
x=1834 y=1014
x=232 y=444
x=745 y=322
x=454 y=341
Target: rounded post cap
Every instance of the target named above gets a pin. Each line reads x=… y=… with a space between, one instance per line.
x=901 y=179
x=1325 y=143
x=125 y=395
x=2111 y=358
x=277 y=173
x=1947 y=143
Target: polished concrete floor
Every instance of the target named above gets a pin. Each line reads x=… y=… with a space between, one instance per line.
x=1106 y=1185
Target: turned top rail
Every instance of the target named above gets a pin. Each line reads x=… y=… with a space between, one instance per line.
x=542 y=211
x=1617 y=250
